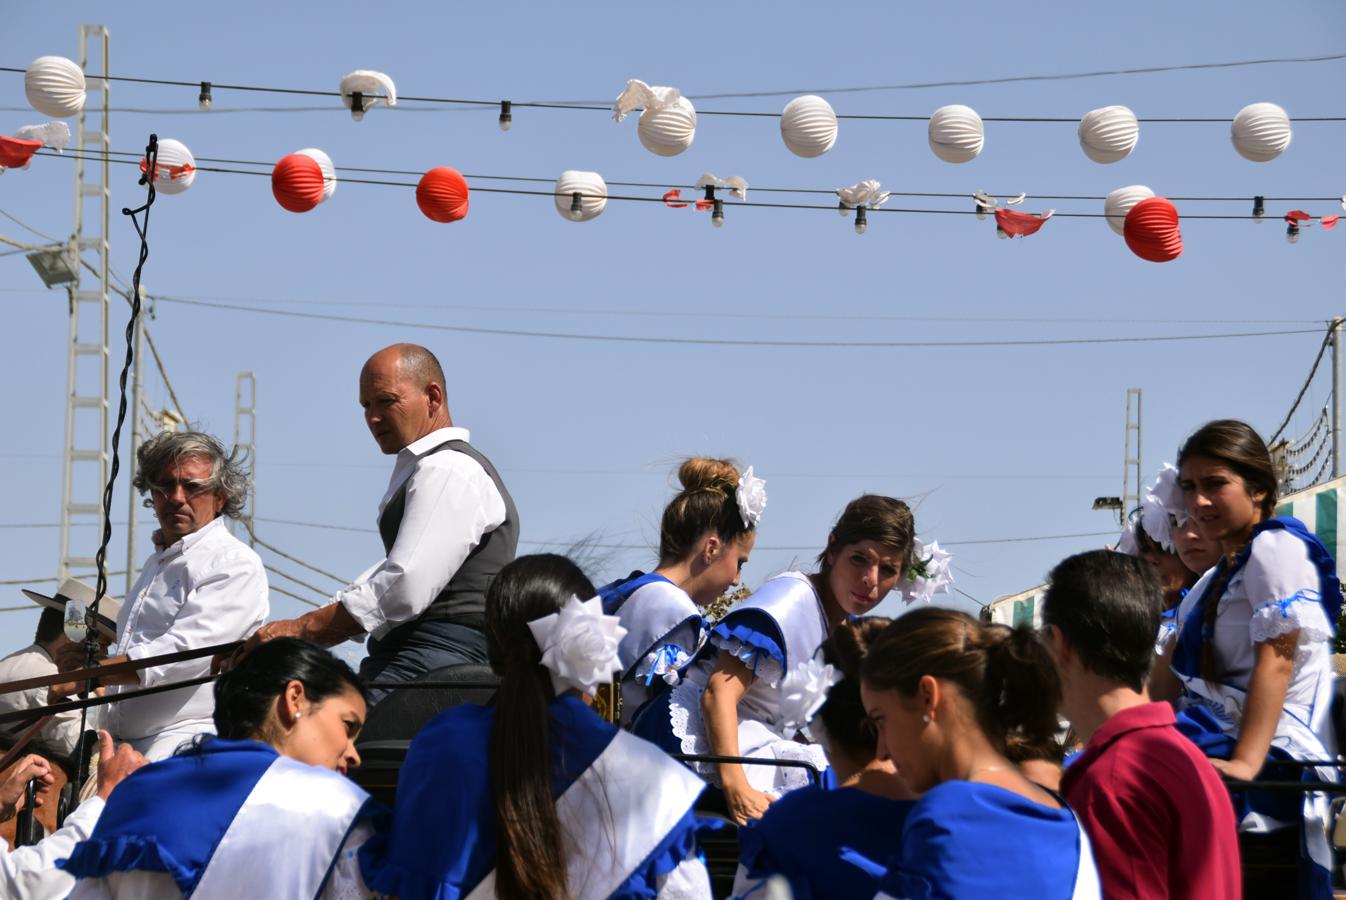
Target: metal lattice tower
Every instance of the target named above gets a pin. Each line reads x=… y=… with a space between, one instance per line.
x=1132 y=471
x=86 y=410
x=245 y=439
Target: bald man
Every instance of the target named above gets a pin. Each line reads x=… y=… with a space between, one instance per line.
x=447 y=523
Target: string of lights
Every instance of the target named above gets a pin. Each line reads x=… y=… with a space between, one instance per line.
x=750 y=204
x=206 y=91
x=768 y=190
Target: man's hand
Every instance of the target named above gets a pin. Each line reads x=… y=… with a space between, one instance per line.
x=115 y=764
x=327 y=626
x=12 y=788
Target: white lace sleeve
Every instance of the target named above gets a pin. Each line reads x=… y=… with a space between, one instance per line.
x=1302 y=612
x=763 y=665
x=346 y=882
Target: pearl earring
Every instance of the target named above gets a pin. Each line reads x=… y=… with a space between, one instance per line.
x=297 y=715
x=925 y=717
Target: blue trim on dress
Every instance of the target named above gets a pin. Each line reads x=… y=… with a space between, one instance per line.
x=678 y=846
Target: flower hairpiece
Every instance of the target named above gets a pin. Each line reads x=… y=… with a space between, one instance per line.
x=803 y=693
x=1163 y=507
x=930 y=572
x=751 y=496
x=579 y=645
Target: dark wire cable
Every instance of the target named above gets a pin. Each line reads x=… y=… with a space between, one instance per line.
x=91 y=646
x=1327 y=339
x=689 y=187
x=830 y=207
x=601 y=106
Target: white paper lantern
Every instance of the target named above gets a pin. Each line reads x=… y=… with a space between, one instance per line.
x=593 y=192
x=175 y=167
x=1109 y=134
x=668 y=131
x=1120 y=201
x=1260 y=132
x=55 y=86
x=956 y=133
x=329 y=176
x=808 y=126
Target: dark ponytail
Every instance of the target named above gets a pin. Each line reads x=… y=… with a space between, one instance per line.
x=843 y=715
x=1006 y=674
x=246 y=694
x=530 y=849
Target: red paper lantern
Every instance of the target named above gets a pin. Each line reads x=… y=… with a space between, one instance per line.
x=302 y=180
x=1019 y=224
x=442 y=194
x=16 y=152
x=1151 y=230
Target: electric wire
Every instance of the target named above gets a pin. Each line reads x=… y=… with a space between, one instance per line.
x=292 y=595
x=606 y=107
x=1322 y=349
x=288 y=577
x=129 y=156
x=737 y=342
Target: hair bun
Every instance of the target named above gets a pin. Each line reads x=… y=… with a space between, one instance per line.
x=701 y=473
x=850 y=642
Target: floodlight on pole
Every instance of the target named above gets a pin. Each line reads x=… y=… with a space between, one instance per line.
x=54 y=266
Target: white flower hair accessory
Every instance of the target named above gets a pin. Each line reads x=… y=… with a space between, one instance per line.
x=803 y=693
x=751 y=496
x=1163 y=507
x=579 y=645
x=930 y=573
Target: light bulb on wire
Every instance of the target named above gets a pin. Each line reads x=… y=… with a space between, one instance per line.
x=843 y=209
x=576 y=206
x=203 y=101
x=717 y=214
x=1259 y=208
x=506 y=115
x=1292 y=231
x=861 y=223
x=357 y=106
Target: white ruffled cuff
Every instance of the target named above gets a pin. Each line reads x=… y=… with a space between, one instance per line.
x=763 y=665
x=1303 y=613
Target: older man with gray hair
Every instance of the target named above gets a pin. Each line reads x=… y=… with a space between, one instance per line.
x=201 y=587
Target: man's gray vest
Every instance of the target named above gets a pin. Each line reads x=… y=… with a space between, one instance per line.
x=463 y=600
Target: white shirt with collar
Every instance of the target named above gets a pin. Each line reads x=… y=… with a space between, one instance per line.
x=58 y=736
x=450 y=504
x=31 y=873
x=208 y=588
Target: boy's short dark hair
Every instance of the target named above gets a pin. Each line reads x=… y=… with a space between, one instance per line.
x=1108 y=606
x=49 y=626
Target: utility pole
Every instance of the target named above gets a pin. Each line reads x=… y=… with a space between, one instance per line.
x=1336 y=396
x=245 y=439
x=1131 y=465
x=86 y=411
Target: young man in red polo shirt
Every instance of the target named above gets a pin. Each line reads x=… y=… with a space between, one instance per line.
x=1155 y=809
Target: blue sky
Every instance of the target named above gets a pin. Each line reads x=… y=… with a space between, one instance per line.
x=987 y=442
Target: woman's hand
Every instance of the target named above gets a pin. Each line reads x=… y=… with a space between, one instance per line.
x=745 y=803
x=1236 y=769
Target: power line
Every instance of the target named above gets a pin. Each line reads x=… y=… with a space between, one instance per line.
x=605 y=106
x=287 y=576
x=132 y=156
x=1327 y=339
x=734 y=342
x=604 y=546
x=293 y=596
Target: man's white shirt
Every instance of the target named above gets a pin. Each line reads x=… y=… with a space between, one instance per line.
x=31 y=873
x=208 y=588
x=451 y=502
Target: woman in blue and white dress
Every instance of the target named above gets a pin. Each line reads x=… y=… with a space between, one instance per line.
x=946 y=693
x=263 y=810
x=833 y=844
x=1252 y=653
x=732 y=701
x=535 y=795
x=705 y=537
